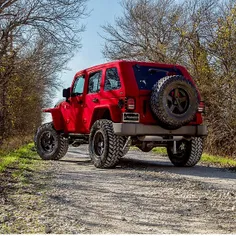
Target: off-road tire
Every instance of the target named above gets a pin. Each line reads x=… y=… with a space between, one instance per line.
x=190 y=156
x=166 y=104
x=59 y=148
x=107 y=152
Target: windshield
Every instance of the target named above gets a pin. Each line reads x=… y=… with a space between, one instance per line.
x=147 y=76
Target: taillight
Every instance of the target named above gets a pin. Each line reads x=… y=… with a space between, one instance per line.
x=201 y=107
x=130 y=103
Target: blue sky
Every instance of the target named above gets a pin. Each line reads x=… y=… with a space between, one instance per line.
x=103 y=11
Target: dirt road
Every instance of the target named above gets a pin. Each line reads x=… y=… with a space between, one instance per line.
x=144 y=194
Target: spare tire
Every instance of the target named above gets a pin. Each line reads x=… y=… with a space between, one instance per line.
x=174 y=101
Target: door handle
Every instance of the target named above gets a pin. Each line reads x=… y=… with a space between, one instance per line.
x=95 y=100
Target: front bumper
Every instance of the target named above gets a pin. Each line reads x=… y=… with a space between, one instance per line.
x=131 y=129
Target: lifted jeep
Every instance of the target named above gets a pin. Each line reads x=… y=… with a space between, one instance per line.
x=118 y=104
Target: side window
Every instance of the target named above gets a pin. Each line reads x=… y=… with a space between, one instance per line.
x=94 y=82
x=78 y=86
x=112 y=80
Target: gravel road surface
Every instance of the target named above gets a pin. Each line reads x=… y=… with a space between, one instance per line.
x=144 y=194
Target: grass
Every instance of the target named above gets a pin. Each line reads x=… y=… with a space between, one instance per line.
x=21 y=159
x=14 y=143
x=160 y=150
x=24 y=184
x=223 y=161
x=206 y=158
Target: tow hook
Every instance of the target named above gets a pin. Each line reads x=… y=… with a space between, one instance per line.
x=126 y=143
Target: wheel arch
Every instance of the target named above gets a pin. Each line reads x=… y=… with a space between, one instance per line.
x=57 y=118
x=107 y=112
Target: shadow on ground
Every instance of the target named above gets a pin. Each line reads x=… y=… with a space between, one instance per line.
x=142 y=161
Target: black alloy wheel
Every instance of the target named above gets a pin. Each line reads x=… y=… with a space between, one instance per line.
x=47 y=141
x=178 y=101
x=98 y=143
x=181 y=148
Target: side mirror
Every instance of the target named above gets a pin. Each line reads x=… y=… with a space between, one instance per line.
x=66 y=93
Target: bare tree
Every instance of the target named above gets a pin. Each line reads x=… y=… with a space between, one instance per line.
x=37 y=38
x=145 y=32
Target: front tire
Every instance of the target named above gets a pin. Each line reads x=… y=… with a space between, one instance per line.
x=49 y=143
x=105 y=147
x=188 y=152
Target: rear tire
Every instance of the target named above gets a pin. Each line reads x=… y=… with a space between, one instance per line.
x=188 y=152
x=49 y=143
x=105 y=147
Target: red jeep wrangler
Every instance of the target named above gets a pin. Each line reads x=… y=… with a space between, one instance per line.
x=118 y=104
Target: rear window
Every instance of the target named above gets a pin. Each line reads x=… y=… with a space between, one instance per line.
x=147 y=76
x=112 y=80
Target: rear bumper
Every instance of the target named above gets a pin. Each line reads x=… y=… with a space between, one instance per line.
x=131 y=129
